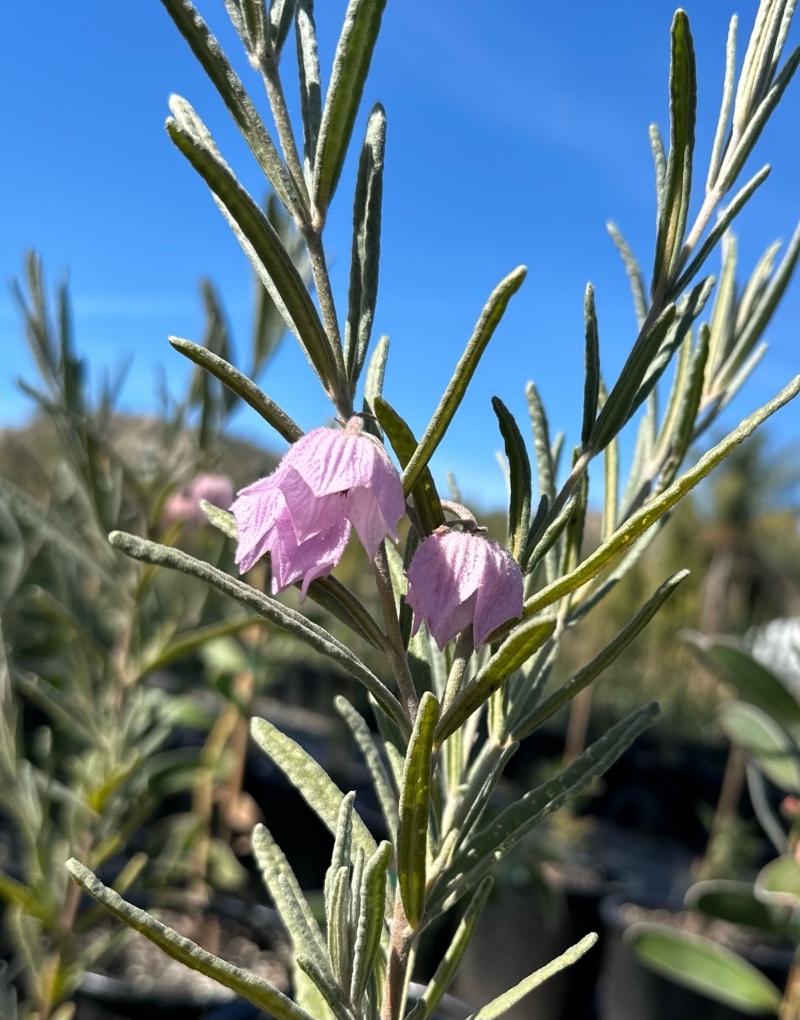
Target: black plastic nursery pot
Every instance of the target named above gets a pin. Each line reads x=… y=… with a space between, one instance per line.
x=630 y=991
x=516 y=935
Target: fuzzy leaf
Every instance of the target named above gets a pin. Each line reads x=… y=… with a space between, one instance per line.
x=647 y=516
x=426 y=498
x=269 y=608
x=258 y=237
x=519 y=466
x=517 y=648
x=497 y=1007
x=243 y=387
x=567 y=691
x=415 y=798
x=242 y=982
x=362 y=22
x=484 y=330
x=366 y=251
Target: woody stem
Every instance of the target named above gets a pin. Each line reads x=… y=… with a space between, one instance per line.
x=397 y=652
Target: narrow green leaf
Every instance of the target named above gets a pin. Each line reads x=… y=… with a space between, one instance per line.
x=725 y=106
x=490 y=317
x=222 y=520
x=610 y=489
x=284 y=889
x=517 y=648
x=503 y=1003
x=446 y=971
x=415 y=798
x=484 y=774
x=281 y=13
x=567 y=691
x=758 y=122
x=764 y=741
x=660 y=166
x=634 y=273
x=519 y=507
x=242 y=982
x=617 y=409
x=362 y=23
x=325 y=983
x=366 y=249
x=689 y=405
x=310 y=87
x=647 y=516
x=724 y=220
x=241 y=386
x=541 y=443
x=690 y=307
x=754 y=682
x=764 y=310
x=370 y=919
x=338 y=914
x=678 y=182
x=380 y=778
x=426 y=498
x=539 y=546
x=373 y=384
x=483 y=849
x=290 y=620
x=317 y=789
x=257 y=236
x=591 y=358
x=704 y=966
x=214 y=62
x=342 y=848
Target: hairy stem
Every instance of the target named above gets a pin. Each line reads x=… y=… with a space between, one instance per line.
x=322 y=284
x=397 y=653
x=401 y=939
x=280 y=113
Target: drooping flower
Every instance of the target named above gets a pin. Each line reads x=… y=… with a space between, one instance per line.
x=458 y=578
x=301 y=514
x=185 y=505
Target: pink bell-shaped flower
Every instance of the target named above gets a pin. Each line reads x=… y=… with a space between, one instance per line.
x=301 y=514
x=185 y=506
x=458 y=578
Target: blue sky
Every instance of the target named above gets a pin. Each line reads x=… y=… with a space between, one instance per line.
x=515 y=130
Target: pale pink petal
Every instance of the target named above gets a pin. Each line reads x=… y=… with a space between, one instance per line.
x=256 y=511
x=365 y=514
x=308 y=560
x=500 y=595
x=311 y=514
x=348 y=462
x=457 y=578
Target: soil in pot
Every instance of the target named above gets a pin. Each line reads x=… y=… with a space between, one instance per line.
x=630 y=991
x=143 y=983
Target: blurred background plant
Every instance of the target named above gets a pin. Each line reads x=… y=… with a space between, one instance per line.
x=88 y=635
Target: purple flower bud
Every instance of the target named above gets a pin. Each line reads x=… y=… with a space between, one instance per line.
x=458 y=578
x=301 y=513
x=185 y=506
